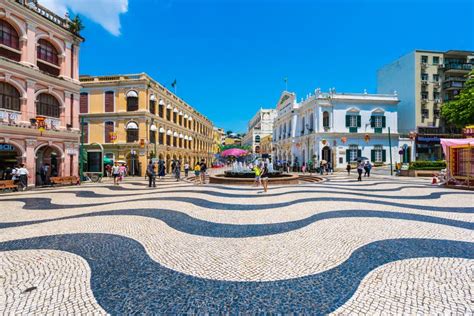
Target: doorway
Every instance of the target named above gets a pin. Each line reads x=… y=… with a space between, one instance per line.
x=48 y=164
x=326 y=154
x=10 y=157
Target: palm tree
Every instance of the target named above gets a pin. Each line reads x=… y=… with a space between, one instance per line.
x=76 y=26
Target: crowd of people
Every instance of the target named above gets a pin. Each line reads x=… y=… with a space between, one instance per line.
x=19 y=174
x=158 y=169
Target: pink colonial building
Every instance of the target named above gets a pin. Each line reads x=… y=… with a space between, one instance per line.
x=39 y=90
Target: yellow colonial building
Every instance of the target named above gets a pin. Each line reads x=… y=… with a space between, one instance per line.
x=266 y=146
x=219 y=139
x=134 y=119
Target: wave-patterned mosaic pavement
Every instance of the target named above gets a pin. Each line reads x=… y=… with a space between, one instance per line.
x=393 y=246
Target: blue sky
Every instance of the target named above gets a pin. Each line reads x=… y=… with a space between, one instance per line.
x=230 y=57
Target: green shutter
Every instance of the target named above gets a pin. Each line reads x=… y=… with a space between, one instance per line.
x=352 y=129
x=384 y=155
x=372 y=155
x=359 y=121
x=383 y=121
x=348 y=155
x=348 y=121
x=372 y=121
x=359 y=153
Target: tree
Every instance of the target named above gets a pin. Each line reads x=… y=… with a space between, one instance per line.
x=76 y=26
x=228 y=133
x=460 y=111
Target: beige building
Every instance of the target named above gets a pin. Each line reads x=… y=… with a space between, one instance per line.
x=423 y=81
x=135 y=119
x=266 y=146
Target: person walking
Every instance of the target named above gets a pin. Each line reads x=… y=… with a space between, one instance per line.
x=150 y=172
x=330 y=169
x=367 y=168
x=116 y=173
x=197 y=173
x=23 y=176
x=161 y=170
x=264 y=176
x=360 y=169
x=122 y=172
x=177 y=170
x=186 y=169
x=257 y=172
x=203 y=171
x=348 y=168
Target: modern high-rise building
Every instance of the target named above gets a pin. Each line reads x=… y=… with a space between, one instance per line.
x=39 y=91
x=423 y=80
x=134 y=118
x=259 y=126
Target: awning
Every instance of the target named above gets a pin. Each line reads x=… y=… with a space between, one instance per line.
x=132 y=94
x=132 y=125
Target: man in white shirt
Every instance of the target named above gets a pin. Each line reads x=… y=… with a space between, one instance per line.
x=23 y=176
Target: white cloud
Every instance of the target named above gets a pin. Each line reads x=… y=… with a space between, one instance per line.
x=104 y=12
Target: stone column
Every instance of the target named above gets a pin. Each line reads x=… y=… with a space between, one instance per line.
x=31 y=160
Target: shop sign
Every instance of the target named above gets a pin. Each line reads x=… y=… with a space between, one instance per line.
x=427 y=139
x=7 y=147
x=71 y=151
x=468 y=131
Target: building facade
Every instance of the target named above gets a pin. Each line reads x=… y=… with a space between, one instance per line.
x=266 y=146
x=39 y=90
x=218 y=139
x=259 y=126
x=135 y=119
x=336 y=127
x=424 y=80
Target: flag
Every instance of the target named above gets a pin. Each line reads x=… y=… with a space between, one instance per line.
x=174 y=83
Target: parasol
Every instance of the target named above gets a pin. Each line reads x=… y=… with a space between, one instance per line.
x=235 y=152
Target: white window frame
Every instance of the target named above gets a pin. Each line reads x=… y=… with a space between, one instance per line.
x=353 y=149
x=378 y=149
x=353 y=120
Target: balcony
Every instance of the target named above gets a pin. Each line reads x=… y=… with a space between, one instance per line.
x=453 y=84
x=455 y=67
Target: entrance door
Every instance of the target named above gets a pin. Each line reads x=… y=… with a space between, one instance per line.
x=10 y=157
x=50 y=159
x=326 y=154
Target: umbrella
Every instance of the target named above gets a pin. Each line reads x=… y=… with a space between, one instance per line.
x=235 y=152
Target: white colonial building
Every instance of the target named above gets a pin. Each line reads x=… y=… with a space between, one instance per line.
x=259 y=126
x=336 y=127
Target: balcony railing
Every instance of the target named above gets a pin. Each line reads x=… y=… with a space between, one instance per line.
x=51 y=16
x=453 y=84
x=465 y=66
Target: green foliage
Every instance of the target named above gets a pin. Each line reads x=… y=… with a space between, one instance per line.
x=228 y=133
x=460 y=111
x=76 y=26
x=427 y=165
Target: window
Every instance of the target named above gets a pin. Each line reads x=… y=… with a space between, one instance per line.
x=257 y=139
x=47 y=105
x=436 y=95
x=161 y=136
x=152 y=106
x=353 y=121
x=84 y=102
x=168 y=114
x=326 y=119
x=108 y=132
x=424 y=95
x=435 y=78
x=424 y=77
x=424 y=113
x=436 y=113
x=132 y=132
x=47 y=52
x=378 y=154
x=9 y=97
x=284 y=131
x=161 y=109
x=180 y=142
x=152 y=137
x=109 y=101
x=377 y=122
x=132 y=101
x=435 y=60
x=303 y=125
x=353 y=153
x=8 y=35
x=175 y=117
x=424 y=59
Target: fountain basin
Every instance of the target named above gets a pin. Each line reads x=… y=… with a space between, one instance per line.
x=248 y=178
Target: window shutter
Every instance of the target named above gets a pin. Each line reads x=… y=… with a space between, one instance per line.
x=108 y=129
x=359 y=120
x=384 y=155
x=372 y=155
x=83 y=102
x=372 y=121
x=109 y=101
x=359 y=153
x=348 y=155
x=348 y=120
x=383 y=121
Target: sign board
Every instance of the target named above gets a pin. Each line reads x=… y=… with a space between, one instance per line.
x=7 y=147
x=71 y=151
x=404 y=167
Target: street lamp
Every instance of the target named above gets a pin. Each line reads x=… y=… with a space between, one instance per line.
x=132 y=154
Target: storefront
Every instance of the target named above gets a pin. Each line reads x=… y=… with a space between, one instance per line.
x=428 y=148
x=10 y=157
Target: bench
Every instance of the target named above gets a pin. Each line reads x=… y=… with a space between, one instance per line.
x=8 y=185
x=71 y=180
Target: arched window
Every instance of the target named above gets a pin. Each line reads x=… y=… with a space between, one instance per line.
x=8 y=35
x=132 y=132
x=257 y=139
x=303 y=125
x=132 y=101
x=47 y=105
x=47 y=52
x=9 y=97
x=152 y=106
x=326 y=119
